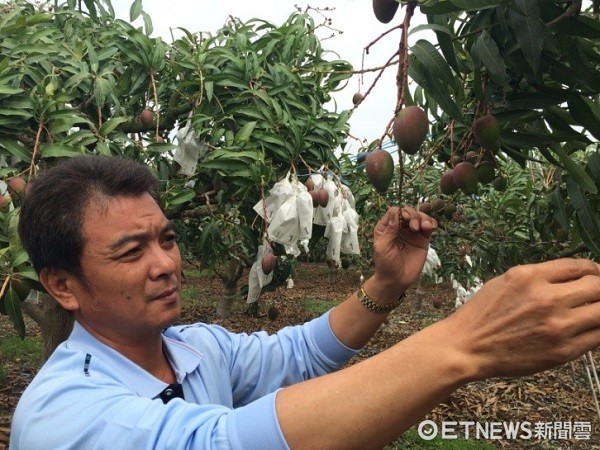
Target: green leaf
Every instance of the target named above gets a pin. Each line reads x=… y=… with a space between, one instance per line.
x=18 y=257
x=529 y=31
x=250 y=112
x=80 y=138
x=208 y=89
x=29 y=272
x=433 y=62
x=585 y=213
x=64 y=124
x=111 y=124
x=12 y=304
x=534 y=100
x=103 y=149
x=59 y=151
x=222 y=154
x=431 y=27
x=589 y=239
x=560 y=211
x=231 y=82
x=102 y=89
x=485 y=52
x=579 y=63
x=434 y=88
x=161 y=147
x=444 y=36
x=577 y=173
x=448 y=6
x=148 y=27
x=9 y=90
x=594 y=166
x=135 y=10
x=15 y=113
x=244 y=133
x=181 y=197
x=582 y=110
x=477 y=5
x=577 y=25
x=270 y=138
x=91 y=7
x=16 y=150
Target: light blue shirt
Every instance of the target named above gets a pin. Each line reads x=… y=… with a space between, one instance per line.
x=89 y=396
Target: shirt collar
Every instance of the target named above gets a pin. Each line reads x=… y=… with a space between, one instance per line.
x=183 y=359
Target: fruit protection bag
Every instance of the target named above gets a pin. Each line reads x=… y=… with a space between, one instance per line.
x=289 y=213
x=349 y=242
x=190 y=149
x=324 y=214
x=304 y=205
x=285 y=226
x=256 y=277
x=333 y=232
x=279 y=193
x=348 y=195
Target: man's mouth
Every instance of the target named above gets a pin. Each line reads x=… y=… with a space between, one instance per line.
x=167 y=294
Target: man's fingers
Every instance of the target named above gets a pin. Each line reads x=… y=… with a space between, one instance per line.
x=566 y=269
x=388 y=223
x=418 y=220
x=585 y=319
x=583 y=291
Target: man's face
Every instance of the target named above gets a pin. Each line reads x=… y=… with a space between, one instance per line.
x=132 y=265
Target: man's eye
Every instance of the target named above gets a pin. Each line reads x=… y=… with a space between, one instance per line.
x=169 y=238
x=131 y=252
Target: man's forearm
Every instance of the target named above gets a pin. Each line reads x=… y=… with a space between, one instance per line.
x=372 y=402
x=352 y=323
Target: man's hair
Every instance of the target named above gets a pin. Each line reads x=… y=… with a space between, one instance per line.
x=52 y=212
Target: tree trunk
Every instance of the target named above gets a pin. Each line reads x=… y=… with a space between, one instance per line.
x=229 y=276
x=55 y=322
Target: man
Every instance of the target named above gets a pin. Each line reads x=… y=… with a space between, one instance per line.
x=126 y=379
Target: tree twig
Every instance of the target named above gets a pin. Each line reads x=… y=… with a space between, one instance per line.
x=572 y=10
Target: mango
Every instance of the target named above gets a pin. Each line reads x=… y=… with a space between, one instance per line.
x=410 y=128
x=486 y=130
x=465 y=177
x=485 y=172
x=385 y=10
x=379 y=166
x=447 y=184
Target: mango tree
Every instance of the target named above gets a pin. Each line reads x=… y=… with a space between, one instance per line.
x=217 y=117
x=500 y=81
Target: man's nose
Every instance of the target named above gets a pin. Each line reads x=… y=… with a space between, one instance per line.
x=164 y=262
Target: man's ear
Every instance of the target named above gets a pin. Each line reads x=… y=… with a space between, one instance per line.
x=59 y=283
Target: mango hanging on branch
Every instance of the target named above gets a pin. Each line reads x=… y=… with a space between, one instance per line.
x=16 y=186
x=147 y=117
x=410 y=128
x=486 y=130
x=385 y=10
x=486 y=173
x=447 y=184
x=379 y=166
x=465 y=177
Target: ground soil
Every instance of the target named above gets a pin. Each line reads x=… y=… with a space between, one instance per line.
x=561 y=395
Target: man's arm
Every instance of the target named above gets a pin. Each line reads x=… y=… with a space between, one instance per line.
x=400 y=244
x=529 y=319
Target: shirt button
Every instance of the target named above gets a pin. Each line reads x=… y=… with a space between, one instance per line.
x=168 y=392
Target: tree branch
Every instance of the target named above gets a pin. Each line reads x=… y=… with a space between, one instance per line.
x=573 y=10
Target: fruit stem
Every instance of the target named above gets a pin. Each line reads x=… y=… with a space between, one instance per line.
x=402 y=77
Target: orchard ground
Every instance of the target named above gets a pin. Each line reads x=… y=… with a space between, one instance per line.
x=559 y=396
